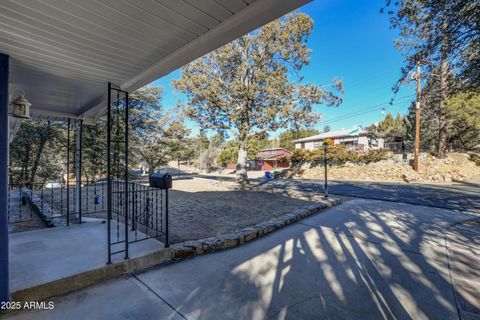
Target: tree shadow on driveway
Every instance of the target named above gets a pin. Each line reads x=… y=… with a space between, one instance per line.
x=361 y=260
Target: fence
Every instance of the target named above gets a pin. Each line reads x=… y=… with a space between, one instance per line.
x=143 y=216
x=55 y=204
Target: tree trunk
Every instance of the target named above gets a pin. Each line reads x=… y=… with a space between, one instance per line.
x=442 y=133
x=442 y=114
x=151 y=169
x=241 y=175
x=36 y=162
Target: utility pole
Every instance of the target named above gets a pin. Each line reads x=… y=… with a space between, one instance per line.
x=417 y=120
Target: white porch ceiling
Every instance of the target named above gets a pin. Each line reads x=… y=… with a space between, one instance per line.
x=64 y=52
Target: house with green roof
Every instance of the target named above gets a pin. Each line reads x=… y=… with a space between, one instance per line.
x=355 y=138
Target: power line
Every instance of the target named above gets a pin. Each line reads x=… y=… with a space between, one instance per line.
x=365 y=112
x=404 y=99
x=368 y=109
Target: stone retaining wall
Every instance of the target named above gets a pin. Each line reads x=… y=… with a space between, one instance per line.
x=235 y=238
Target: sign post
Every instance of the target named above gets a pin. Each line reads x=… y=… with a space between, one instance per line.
x=326 y=143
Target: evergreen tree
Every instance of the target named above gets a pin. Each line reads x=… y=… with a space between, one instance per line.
x=246 y=85
x=444 y=36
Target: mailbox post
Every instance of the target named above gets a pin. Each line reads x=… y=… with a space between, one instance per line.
x=162 y=181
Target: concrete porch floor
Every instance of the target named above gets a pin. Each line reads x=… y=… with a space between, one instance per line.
x=69 y=258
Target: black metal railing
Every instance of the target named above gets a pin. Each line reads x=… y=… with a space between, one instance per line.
x=139 y=212
x=146 y=216
x=54 y=203
x=149 y=211
x=94 y=199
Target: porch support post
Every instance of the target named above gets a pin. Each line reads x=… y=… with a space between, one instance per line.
x=126 y=175
x=78 y=171
x=68 y=172
x=109 y=177
x=4 y=254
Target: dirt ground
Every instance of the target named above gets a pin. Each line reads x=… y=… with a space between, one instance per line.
x=201 y=207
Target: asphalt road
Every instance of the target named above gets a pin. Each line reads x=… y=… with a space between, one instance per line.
x=458 y=196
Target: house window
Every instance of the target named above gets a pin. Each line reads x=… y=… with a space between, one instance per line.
x=317 y=144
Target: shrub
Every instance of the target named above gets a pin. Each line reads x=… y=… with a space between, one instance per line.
x=227 y=156
x=475 y=157
x=375 y=156
x=300 y=156
x=337 y=155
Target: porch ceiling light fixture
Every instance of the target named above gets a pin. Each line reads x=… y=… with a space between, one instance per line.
x=20 y=107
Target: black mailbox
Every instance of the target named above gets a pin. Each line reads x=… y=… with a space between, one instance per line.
x=160 y=180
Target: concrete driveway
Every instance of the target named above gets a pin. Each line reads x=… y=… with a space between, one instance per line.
x=364 y=259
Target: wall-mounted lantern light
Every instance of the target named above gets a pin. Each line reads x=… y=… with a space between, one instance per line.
x=20 y=107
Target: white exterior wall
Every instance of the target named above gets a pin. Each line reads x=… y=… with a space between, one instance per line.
x=308 y=145
x=362 y=140
x=381 y=143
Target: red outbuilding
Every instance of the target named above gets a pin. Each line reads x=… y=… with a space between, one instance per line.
x=274 y=158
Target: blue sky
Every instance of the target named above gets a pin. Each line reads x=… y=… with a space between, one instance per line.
x=351 y=40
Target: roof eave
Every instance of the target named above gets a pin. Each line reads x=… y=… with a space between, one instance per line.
x=252 y=17
x=331 y=137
